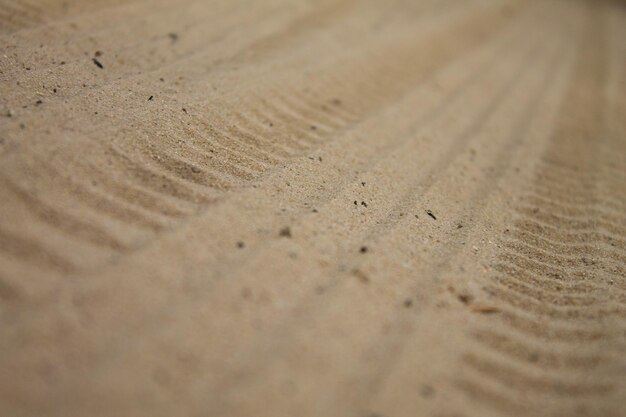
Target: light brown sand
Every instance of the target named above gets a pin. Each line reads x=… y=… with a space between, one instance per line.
x=255 y=239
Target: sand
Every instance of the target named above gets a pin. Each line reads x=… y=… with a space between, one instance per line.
x=318 y=208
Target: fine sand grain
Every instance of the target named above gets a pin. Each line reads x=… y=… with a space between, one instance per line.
x=312 y=208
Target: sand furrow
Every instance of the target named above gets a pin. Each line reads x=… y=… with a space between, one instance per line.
x=318 y=208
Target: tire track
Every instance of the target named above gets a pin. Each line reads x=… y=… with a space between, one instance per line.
x=213 y=159
x=342 y=208
x=356 y=141
x=588 y=320
x=313 y=303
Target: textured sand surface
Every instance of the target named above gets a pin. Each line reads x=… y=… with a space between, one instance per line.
x=319 y=208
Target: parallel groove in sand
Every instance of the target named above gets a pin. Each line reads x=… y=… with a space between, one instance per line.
x=384 y=229
x=537 y=313
x=185 y=176
x=310 y=325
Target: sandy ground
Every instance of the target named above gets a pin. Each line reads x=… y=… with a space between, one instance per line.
x=320 y=208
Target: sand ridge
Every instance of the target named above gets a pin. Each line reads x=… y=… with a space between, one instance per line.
x=349 y=208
